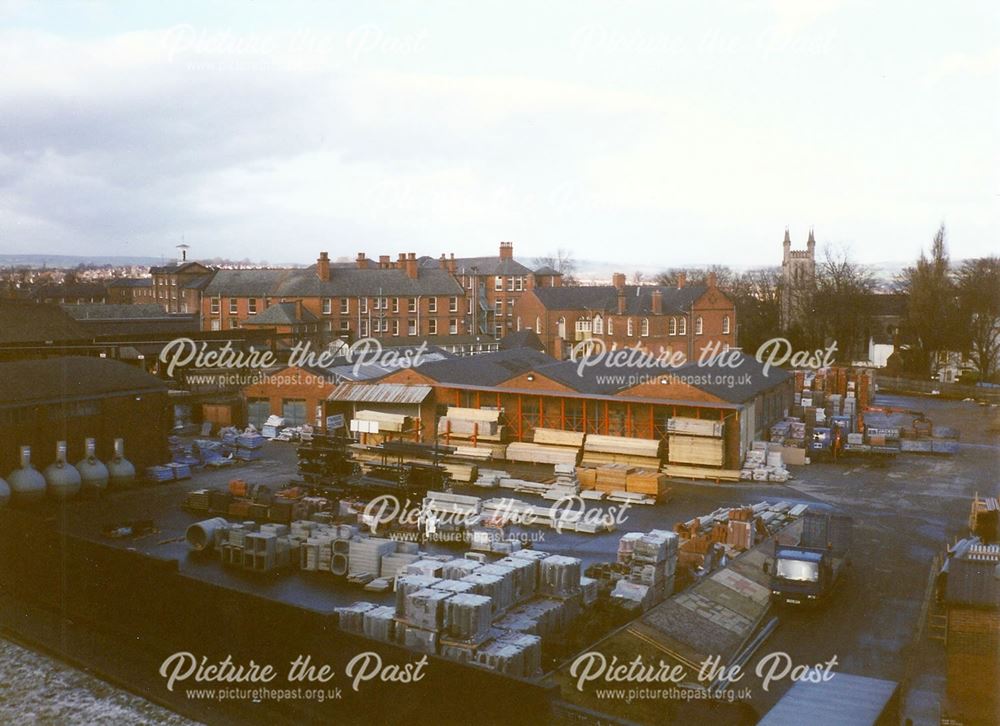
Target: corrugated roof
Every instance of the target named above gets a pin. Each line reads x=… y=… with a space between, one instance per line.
x=56 y=379
x=844 y=700
x=22 y=321
x=973 y=582
x=379 y=393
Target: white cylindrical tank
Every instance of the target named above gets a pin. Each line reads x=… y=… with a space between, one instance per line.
x=27 y=484
x=94 y=474
x=120 y=470
x=63 y=480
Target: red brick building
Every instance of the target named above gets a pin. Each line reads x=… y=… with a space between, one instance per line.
x=684 y=318
x=178 y=287
x=131 y=290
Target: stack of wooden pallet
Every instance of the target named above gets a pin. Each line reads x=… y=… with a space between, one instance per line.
x=598 y=450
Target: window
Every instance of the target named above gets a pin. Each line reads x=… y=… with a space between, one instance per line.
x=233 y=324
x=293 y=410
x=498 y=331
x=725 y=325
x=520 y=283
x=453 y=326
x=411 y=327
x=498 y=283
x=328 y=326
x=630 y=328
x=395 y=327
x=432 y=304
x=364 y=329
x=611 y=326
x=216 y=324
x=385 y=303
x=598 y=325
x=498 y=307
x=683 y=327
x=644 y=327
x=510 y=284
x=538 y=325
x=469 y=307
x=345 y=306
x=453 y=304
x=233 y=309
x=411 y=304
x=252 y=306
x=345 y=326
x=364 y=305
x=327 y=306
x=672 y=327
x=395 y=305
x=699 y=325
x=258 y=411
x=583 y=325
x=432 y=326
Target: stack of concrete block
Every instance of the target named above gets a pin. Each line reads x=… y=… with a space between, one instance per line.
x=418 y=639
x=507 y=576
x=425 y=608
x=493 y=587
x=395 y=563
x=365 y=555
x=455 y=587
x=458 y=568
x=588 y=587
x=517 y=655
x=525 y=576
x=425 y=566
x=407 y=584
x=560 y=576
x=352 y=617
x=380 y=624
x=651 y=560
x=467 y=617
x=531 y=651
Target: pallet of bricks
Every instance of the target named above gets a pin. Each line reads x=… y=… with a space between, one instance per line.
x=650 y=563
x=474 y=428
x=492 y=616
x=696 y=449
x=549 y=446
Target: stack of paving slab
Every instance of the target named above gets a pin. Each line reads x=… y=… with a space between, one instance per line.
x=489 y=478
x=365 y=555
x=651 y=559
x=459 y=509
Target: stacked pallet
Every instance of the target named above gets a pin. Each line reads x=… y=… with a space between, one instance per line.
x=676 y=471
x=612 y=478
x=598 y=450
x=365 y=555
x=649 y=483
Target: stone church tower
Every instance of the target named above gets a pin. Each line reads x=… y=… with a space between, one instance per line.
x=798 y=278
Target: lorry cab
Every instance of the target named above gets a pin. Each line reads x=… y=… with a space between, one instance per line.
x=801 y=575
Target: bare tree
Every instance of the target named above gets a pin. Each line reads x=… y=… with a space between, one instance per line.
x=979 y=308
x=638 y=277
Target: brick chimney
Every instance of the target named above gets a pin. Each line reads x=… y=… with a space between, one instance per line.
x=657 y=301
x=443 y=262
x=401 y=262
x=323 y=267
x=506 y=250
x=618 y=280
x=384 y=262
x=712 y=279
x=411 y=265
x=452 y=265
x=681 y=279
x=362 y=262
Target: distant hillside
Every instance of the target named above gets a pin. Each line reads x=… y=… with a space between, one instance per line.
x=42 y=260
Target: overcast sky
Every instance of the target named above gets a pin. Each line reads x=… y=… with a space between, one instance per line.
x=662 y=133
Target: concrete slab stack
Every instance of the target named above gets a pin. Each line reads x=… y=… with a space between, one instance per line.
x=365 y=555
x=560 y=576
x=352 y=617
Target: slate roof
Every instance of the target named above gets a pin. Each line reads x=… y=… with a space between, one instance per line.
x=99 y=311
x=485 y=369
x=638 y=298
x=131 y=282
x=526 y=338
x=174 y=268
x=283 y=314
x=22 y=321
x=490 y=266
x=55 y=379
x=72 y=289
x=343 y=282
x=546 y=270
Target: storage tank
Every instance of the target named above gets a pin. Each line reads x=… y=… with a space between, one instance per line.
x=120 y=469
x=63 y=480
x=93 y=473
x=27 y=484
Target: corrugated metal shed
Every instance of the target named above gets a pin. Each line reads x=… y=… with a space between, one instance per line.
x=379 y=393
x=973 y=582
x=844 y=700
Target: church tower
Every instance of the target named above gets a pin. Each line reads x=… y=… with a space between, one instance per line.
x=798 y=278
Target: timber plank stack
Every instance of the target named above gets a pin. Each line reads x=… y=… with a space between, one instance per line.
x=600 y=450
x=550 y=446
x=478 y=428
x=696 y=449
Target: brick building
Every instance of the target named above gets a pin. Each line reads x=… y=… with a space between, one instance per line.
x=393 y=300
x=131 y=290
x=178 y=287
x=70 y=292
x=684 y=318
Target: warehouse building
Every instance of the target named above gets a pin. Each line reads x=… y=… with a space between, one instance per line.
x=73 y=398
x=536 y=391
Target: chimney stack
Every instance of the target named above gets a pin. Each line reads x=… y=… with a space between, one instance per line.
x=411 y=265
x=383 y=262
x=618 y=280
x=681 y=279
x=506 y=250
x=362 y=262
x=323 y=267
x=657 y=301
x=712 y=279
x=452 y=265
x=401 y=262
x=443 y=262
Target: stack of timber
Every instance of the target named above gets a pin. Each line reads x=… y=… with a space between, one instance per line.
x=694 y=427
x=474 y=428
x=696 y=450
x=650 y=483
x=386 y=421
x=598 y=450
x=550 y=446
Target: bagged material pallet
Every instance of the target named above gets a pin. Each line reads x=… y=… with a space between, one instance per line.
x=559 y=576
x=352 y=617
x=458 y=568
x=418 y=639
x=468 y=617
x=379 y=623
x=407 y=584
x=425 y=608
x=395 y=563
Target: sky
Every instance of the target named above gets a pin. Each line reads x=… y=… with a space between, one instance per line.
x=648 y=133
